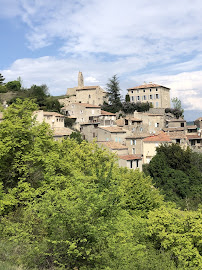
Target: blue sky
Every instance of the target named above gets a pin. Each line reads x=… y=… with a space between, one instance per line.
x=140 y=41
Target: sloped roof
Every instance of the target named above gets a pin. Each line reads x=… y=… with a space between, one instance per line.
x=63 y=131
x=177 y=135
x=199 y=119
x=176 y=120
x=86 y=105
x=114 y=145
x=161 y=137
x=130 y=157
x=138 y=136
x=149 y=85
x=194 y=136
x=53 y=113
x=113 y=129
x=107 y=113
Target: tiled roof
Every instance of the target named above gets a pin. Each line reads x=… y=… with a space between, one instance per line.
x=174 y=129
x=161 y=137
x=130 y=157
x=113 y=129
x=133 y=119
x=138 y=136
x=53 y=113
x=192 y=127
x=177 y=135
x=176 y=120
x=149 y=85
x=107 y=113
x=194 y=136
x=63 y=131
x=86 y=88
x=120 y=122
x=114 y=145
x=86 y=105
x=199 y=119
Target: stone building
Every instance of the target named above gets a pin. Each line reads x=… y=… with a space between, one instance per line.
x=84 y=94
x=156 y=94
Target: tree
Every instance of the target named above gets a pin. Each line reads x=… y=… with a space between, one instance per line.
x=113 y=92
x=127 y=98
x=177 y=105
x=1 y=79
x=13 y=86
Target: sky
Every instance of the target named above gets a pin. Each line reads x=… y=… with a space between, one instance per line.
x=49 y=42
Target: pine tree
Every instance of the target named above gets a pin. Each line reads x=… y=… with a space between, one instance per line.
x=113 y=94
x=1 y=79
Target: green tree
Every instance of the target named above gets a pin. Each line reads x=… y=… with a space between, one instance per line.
x=113 y=92
x=177 y=105
x=13 y=86
x=127 y=98
x=1 y=79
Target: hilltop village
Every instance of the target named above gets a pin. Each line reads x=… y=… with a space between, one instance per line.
x=133 y=137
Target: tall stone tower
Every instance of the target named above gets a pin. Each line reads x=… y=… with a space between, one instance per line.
x=80 y=79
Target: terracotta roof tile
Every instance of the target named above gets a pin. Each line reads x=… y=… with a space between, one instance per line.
x=107 y=113
x=194 y=136
x=177 y=135
x=114 y=129
x=86 y=105
x=149 y=85
x=130 y=157
x=162 y=137
x=199 y=119
x=114 y=145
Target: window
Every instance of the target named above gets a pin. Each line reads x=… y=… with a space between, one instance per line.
x=89 y=96
x=133 y=151
x=156 y=124
x=93 y=111
x=198 y=141
x=182 y=124
x=133 y=142
x=131 y=164
x=138 y=97
x=156 y=89
x=116 y=139
x=150 y=96
x=177 y=140
x=157 y=104
x=150 y=90
x=157 y=96
x=137 y=163
x=144 y=90
x=81 y=111
x=132 y=98
x=93 y=134
x=132 y=92
x=145 y=97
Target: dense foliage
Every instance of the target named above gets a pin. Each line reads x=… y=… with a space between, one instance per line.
x=67 y=205
x=177 y=172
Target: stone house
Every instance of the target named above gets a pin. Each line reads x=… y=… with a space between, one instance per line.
x=115 y=147
x=135 y=143
x=176 y=123
x=56 y=122
x=84 y=94
x=150 y=143
x=198 y=123
x=82 y=113
x=107 y=118
x=156 y=94
x=115 y=134
x=131 y=161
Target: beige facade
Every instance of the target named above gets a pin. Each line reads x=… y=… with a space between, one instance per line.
x=84 y=94
x=151 y=143
x=156 y=94
x=176 y=123
x=135 y=144
x=131 y=162
x=114 y=147
x=89 y=131
x=198 y=123
x=82 y=112
x=114 y=134
x=55 y=120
